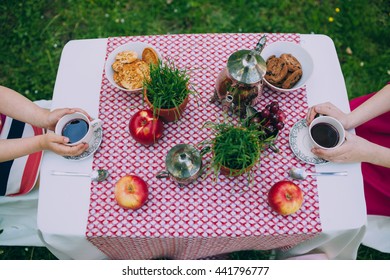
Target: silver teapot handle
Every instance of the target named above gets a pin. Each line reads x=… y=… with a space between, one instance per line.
x=162 y=174
x=205 y=150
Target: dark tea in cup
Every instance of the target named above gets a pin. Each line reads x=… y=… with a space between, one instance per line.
x=75 y=130
x=77 y=127
x=325 y=135
x=326 y=132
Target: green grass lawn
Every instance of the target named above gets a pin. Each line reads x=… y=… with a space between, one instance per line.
x=33 y=34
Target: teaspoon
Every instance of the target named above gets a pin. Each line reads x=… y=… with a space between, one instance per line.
x=299 y=173
x=96 y=175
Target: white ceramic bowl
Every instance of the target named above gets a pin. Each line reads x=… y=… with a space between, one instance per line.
x=138 y=47
x=281 y=47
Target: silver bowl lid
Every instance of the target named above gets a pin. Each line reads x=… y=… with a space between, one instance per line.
x=183 y=161
x=247 y=66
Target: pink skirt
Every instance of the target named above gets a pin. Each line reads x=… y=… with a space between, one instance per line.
x=376 y=178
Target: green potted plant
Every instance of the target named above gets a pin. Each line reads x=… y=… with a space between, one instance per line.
x=168 y=90
x=235 y=148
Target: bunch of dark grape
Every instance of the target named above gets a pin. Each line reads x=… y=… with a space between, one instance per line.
x=270 y=119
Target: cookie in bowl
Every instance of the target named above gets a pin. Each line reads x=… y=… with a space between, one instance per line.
x=277 y=70
x=149 y=55
x=284 y=71
x=128 y=65
x=289 y=66
x=130 y=75
x=292 y=62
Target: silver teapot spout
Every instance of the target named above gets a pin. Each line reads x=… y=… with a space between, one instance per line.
x=261 y=44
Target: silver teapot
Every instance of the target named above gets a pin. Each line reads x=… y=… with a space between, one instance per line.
x=240 y=83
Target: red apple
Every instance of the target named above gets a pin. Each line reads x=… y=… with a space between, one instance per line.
x=285 y=197
x=146 y=128
x=131 y=192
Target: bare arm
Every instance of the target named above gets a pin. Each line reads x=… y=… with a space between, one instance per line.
x=14 y=148
x=378 y=104
x=19 y=107
x=356 y=149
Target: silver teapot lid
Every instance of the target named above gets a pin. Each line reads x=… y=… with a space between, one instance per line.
x=247 y=66
x=183 y=161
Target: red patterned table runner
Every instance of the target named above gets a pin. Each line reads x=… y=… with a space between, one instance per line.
x=207 y=217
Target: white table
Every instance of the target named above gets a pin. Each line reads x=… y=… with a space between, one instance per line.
x=64 y=201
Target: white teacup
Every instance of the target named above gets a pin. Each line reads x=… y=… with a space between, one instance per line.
x=326 y=132
x=77 y=127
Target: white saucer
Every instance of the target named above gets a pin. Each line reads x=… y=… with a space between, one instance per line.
x=300 y=143
x=93 y=145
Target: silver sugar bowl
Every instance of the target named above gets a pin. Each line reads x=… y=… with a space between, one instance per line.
x=183 y=164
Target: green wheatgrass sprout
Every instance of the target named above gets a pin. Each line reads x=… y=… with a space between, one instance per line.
x=168 y=86
x=234 y=147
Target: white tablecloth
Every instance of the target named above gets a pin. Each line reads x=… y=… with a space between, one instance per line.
x=64 y=201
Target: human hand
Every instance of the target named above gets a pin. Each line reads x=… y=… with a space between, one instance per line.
x=54 y=116
x=354 y=149
x=327 y=109
x=57 y=144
